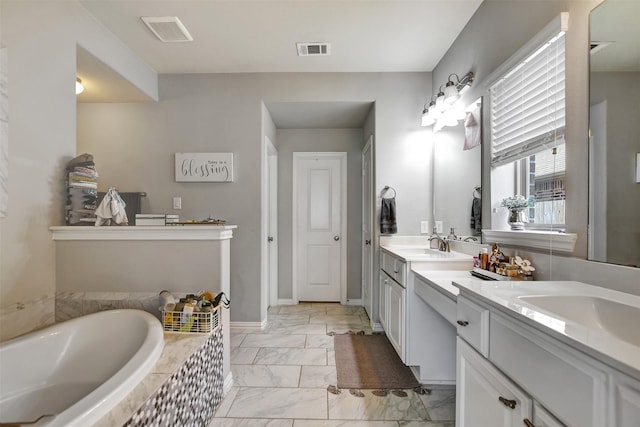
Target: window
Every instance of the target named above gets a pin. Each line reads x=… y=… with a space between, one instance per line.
x=528 y=123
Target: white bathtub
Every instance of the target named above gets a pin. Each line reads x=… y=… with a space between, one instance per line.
x=79 y=369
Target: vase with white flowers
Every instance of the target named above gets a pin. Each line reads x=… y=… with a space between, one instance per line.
x=517 y=206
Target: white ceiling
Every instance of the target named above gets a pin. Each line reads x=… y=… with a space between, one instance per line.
x=234 y=36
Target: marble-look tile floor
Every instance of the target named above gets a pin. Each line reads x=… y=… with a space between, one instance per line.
x=281 y=375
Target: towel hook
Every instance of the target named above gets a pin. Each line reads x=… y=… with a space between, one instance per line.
x=385 y=189
x=478 y=191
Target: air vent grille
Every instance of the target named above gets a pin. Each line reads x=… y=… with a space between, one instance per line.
x=168 y=29
x=313 y=49
x=597 y=46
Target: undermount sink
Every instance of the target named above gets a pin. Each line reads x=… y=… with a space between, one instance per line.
x=613 y=317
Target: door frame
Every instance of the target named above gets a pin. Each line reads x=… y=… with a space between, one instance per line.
x=297 y=156
x=269 y=264
x=368 y=214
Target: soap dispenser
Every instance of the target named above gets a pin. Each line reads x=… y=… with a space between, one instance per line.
x=452 y=234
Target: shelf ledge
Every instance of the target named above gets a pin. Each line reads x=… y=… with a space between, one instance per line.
x=561 y=242
x=170 y=232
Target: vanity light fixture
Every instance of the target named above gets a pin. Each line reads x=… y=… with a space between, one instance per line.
x=79 y=86
x=440 y=105
x=427 y=119
x=430 y=114
x=445 y=99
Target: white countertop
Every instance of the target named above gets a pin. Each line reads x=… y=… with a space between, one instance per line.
x=598 y=321
x=411 y=253
x=443 y=280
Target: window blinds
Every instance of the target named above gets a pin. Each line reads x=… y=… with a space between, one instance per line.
x=528 y=105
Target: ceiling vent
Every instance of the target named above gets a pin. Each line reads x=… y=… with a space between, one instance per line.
x=168 y=29
x=313 y=49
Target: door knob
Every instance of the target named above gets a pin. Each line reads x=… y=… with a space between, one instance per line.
x=367 y=242
x=336 y=238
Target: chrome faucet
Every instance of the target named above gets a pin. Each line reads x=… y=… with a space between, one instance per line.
x=437 y=242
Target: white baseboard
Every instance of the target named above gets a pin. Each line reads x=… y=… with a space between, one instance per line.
x=258 y=326
x=377 y=327
x=228 y=383
x=286 y=302
x=354 y=302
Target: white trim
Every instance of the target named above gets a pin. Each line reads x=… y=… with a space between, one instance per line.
x=160 y=232
x=368 y=216
x=228 y=384
x=286 y=302
x=376 y=327
x=343 y=225
x=561 y=242
x=353 y=301
x=559 y=24
x=257 y=326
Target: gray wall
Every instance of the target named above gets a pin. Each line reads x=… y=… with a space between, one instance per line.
x=621 y=91
x=495 y=32
x=350 y=141
x=134 y=145
x=41 y=38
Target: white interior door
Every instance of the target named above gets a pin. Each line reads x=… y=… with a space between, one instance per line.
x=319 y=226
x=367 y=225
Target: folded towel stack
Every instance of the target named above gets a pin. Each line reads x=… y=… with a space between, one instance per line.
x=82 y=190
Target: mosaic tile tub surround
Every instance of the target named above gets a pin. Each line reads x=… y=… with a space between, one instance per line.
x=184 y=388
x=190 y=396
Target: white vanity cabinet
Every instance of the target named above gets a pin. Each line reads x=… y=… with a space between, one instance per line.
x=423 y=337
x=485 y=397
x=396 y=320
x=393 y=300
x=565 y=386
x=383 y=300
x=626 y=398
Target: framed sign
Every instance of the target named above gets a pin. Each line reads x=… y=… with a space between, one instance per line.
x=204 y=167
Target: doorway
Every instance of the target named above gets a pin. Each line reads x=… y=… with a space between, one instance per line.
x=319 y=226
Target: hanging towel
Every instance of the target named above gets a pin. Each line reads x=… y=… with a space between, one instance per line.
x=476 y=216
x=472 y=137
x=388 y=216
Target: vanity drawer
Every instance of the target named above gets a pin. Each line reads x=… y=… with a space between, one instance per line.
x=394 y=267
x=516 y=349
x=472 y=323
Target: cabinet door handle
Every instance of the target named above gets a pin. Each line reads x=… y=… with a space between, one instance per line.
x=507 y=402
x=462 y=323
x=528 y=423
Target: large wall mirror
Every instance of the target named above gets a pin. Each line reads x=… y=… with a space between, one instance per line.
x=457 y=173
x=614 y=193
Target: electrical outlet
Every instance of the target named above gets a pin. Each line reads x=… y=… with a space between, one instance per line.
x=439 y=226
x=424 y=227
x=177 y=203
